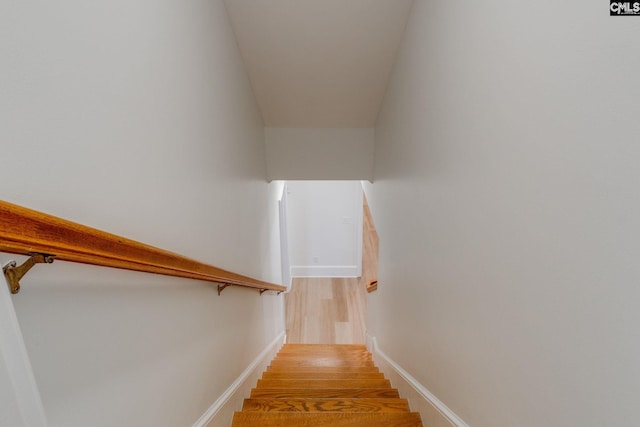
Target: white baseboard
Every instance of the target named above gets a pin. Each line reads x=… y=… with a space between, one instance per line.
x=432 y=410
x=324 y=271
x=221 y=412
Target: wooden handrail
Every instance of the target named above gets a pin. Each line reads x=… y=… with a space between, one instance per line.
x=25 y=231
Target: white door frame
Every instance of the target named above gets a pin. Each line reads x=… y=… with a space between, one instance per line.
x=26 y=408
x=284 y=239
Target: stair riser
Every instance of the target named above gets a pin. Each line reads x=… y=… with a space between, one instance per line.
x=288 y=357
x=311 y=375
x=316 y=347
x=387 y=393
x=326 y=405
x=337 y=353
x=321 y=370
x=270 y=419
x=320 y=363
x=315 y=384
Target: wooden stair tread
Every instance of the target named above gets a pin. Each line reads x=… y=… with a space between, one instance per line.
x=322 y=383
x=316 y=350
x=324 y=351
x=324 y=359
x=268 y=419
x=288 y=393
x=326 y=405
x=337 y=363
x=323 y=369
x=315 y=347
x=296 y=356
x=360 y=355
x=310 y=375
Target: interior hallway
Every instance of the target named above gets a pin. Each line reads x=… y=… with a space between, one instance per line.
x=332 y=310
x=326 y=311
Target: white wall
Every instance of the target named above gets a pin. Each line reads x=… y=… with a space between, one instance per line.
x=325 y=228
x=329 y=153
x=20 y=403
x=10 y=414
x=506 y=199
x=138 y=118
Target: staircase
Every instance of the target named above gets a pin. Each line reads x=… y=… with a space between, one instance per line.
x=324 y=385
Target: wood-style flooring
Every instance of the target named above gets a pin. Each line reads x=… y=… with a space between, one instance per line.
x=326 y=311
x=332 y=310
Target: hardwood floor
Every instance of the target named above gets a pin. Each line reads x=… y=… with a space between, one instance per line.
x=332 y=310
x=326 y=311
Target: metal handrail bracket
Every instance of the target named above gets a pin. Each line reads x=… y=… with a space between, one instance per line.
x=13 y=272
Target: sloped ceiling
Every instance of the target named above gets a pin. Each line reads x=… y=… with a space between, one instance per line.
x=319 y=63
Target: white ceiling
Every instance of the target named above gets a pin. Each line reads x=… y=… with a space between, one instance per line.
x=319 y=63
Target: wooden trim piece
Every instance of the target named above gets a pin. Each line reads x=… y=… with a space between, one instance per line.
x=370 y=249
x=23 y=231
x=372 y=286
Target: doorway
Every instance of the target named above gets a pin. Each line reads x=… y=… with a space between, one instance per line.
x=333 y=256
